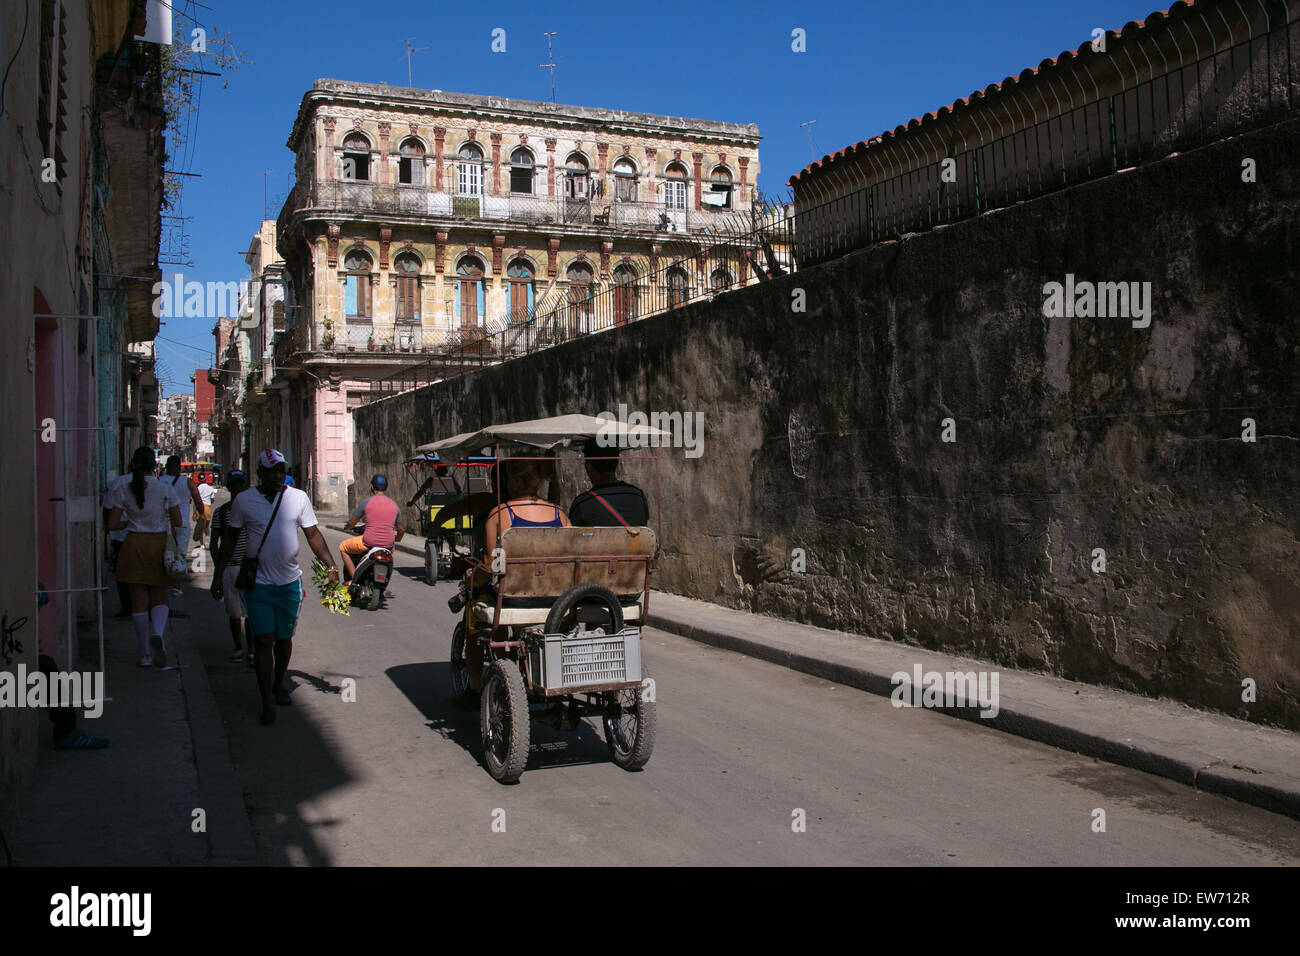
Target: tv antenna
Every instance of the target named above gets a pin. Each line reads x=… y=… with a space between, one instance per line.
x=812 y=153
x=409 y=50
x=550 y=60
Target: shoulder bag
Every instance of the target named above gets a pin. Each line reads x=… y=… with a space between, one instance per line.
x=247 y=576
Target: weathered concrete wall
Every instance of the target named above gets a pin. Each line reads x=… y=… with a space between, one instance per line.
x=823 y=432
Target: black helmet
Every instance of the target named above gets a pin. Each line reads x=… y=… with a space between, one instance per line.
x=379 y=482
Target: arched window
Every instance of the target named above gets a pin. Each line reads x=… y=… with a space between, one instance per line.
x=469 y=304
x=626 y=295
x=469 y=169
x=679 y=287
x=356 y=157
x=410 y=165
x=519 y=277
x=720 y=280
x=577 y=176
x=624 y=180
x=521 y=171
x=719 y=193
x=356 y=285
x=582 y=297
x=675 y=186
x=406 y=270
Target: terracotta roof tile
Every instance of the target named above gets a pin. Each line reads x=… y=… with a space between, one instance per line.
x=1133 y=26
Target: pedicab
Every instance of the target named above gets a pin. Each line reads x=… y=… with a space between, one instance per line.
x=443 y=486
x=558 y=625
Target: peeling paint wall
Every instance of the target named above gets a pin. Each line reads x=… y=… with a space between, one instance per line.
x=824 y=432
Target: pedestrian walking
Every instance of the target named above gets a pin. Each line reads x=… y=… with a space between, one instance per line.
x=207 y=495
x=223 y=586
x=270 y=515
x=187 y=496
x=147 y=509
x=115 y=540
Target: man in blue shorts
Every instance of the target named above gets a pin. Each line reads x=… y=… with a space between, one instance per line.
x=275 y=598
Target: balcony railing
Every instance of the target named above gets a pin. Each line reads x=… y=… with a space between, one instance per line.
x=360 y=198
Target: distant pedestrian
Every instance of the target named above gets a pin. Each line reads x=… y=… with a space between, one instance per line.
x=270 y=516
x=147 y=509
x=208 y=495
x=115 y=540
x=187 y=492
x=223 y=585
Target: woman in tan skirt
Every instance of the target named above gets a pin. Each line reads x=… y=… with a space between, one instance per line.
x=147 y=510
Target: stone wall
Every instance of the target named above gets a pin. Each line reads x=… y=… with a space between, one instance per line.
x=824 y=432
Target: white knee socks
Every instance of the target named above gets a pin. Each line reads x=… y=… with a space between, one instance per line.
x=141 y=623
x=158 y=617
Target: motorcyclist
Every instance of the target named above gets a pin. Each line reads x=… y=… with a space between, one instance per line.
x=384 y=526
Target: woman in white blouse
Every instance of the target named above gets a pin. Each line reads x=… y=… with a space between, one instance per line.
x=147 y=509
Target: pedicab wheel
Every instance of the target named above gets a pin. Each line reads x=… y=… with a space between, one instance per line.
x=459 y=662
x=630 y=733
x=504 y=721
x=430 y=564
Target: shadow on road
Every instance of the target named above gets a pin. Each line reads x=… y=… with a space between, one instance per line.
x=428 y=687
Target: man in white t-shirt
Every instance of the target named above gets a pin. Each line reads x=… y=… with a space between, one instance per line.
x=207 y=495
x=184 y=487
x=274 y=600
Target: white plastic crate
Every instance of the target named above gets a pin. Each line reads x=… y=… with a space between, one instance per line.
x=563 y=661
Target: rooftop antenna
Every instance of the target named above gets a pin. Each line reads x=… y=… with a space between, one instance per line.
x=812 y=153
x=409 y=50
x=550 y=60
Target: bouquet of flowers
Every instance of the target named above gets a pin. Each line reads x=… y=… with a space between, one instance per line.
x=333 y=596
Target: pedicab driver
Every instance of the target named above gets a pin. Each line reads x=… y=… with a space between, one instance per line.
x=384 y=526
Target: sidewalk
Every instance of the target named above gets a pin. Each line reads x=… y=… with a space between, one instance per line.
x=133 y=803
x=1254 y=764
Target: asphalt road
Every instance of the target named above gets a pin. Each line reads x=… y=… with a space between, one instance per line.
x=394 y=778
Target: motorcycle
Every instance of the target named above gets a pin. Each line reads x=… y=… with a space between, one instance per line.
x=373 y=573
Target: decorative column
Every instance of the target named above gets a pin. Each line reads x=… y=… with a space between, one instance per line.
x=327 y=148
x=496 y=164
x=385 y=130
x=606 y=247
x=701 y=260
x=550 y=167
x=439 y=248
x=552 y=251
x=498 y=243
x=333 y=230
x=650 y=154
x=655 y=249
x=743 y=162
x=602 y=150
x=385 y=237
x=698 y=160
x=439 y=134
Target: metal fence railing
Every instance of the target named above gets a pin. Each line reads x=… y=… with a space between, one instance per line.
x=1228 y=91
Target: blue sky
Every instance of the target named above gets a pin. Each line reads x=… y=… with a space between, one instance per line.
x=868 y=67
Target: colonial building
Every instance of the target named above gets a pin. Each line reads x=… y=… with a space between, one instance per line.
x=423 y=222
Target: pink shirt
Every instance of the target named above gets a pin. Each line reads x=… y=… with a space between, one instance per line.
x=381 y=513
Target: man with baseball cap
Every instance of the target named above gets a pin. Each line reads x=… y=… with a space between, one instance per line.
x=270 y=516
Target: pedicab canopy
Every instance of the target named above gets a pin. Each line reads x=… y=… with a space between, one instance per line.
x=547 y=434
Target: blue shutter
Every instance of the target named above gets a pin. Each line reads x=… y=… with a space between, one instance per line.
x=456 y=297
x=350 y=295
x=482 y=312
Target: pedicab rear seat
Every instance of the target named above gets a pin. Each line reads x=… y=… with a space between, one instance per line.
x=546 y=562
